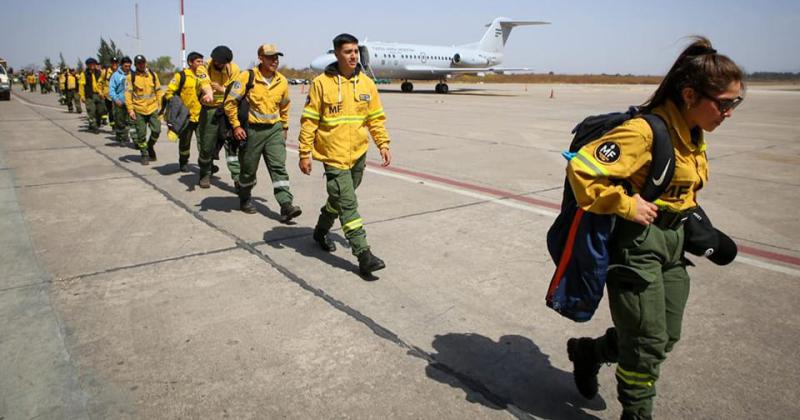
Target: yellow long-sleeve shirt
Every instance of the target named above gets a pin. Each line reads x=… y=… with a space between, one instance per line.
x=269 y=99
x=189 y=93
x=338 y=115
x=143 y=95
x=592 y=173
x=208 y=73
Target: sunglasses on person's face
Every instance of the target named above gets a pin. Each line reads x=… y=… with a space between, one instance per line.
x=723 y=105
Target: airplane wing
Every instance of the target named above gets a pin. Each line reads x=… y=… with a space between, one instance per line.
x=458 y=70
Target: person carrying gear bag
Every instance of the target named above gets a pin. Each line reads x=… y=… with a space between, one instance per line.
x=116 y=92
x=71 y=94
x=214 y=78
x=90 y=95
x=105 y=84
x=342 y=105
x=185 y=85
x=143 y=98
x=647 y=283
x=267 y=93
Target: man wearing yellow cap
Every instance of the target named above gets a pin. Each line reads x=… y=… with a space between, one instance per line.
x=264 y=132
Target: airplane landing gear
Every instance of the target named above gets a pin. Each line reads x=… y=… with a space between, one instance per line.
x=406 y=86
x=442 y=87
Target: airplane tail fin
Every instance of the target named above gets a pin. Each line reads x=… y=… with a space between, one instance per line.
x=496 y=36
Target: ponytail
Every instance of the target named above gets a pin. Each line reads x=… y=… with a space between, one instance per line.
x=699 y=67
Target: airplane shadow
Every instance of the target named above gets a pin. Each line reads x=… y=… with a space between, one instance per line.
x=511 y=373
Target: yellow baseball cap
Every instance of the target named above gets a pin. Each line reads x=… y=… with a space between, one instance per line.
x=269 y=49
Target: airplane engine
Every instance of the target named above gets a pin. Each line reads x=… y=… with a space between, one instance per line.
x=469 y=59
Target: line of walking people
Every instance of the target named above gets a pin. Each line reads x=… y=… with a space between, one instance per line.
x=245 y=116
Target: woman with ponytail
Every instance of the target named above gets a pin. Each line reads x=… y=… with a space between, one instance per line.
x=647 y=283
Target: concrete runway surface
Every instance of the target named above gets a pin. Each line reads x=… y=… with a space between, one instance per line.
x=128 y=292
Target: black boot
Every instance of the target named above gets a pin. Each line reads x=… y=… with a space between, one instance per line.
x=289 y=211
x=245 y=204
x=321 y=237
x=367 y=263
x=145 y=159
x=585 y=365
x=152 y=152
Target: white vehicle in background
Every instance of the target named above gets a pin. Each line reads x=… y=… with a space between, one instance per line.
x=5 y=84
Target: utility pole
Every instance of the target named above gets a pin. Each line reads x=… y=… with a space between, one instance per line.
x=183 y=40
x=137 y=37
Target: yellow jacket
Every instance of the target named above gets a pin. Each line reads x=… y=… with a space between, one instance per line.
x=591 y=174
x=269 y=101
x=189 y=94
x=102 y=84
x=61 y=80
x=71 y=81
x=337 y=116
x=208 y=73
x=31 y=79
x=144 y=94
x=82 y=84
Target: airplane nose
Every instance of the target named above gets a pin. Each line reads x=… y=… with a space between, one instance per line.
x=322 y=61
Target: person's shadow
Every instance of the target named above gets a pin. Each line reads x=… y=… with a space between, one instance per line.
x=300 y=239
x=511 y=374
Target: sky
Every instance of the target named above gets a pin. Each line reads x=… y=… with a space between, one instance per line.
x=622 y=36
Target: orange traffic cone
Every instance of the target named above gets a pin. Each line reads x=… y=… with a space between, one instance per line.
x=302 y=88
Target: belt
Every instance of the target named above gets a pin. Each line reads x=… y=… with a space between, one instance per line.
x=260 y=125
x=670 y=219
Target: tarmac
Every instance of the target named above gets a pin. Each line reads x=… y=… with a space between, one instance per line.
x=129 y=293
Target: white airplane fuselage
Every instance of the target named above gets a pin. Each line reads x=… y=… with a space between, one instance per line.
x=386 y=60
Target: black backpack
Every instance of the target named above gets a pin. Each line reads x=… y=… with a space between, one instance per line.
x=578 y=241
x=224 y=126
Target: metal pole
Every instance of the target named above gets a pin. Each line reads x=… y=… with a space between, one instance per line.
x=138 y=38
x=183 y=40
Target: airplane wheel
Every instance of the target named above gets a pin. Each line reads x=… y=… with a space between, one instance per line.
x=444 y=88
x=406 y=87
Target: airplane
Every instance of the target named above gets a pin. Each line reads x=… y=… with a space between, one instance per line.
x=433 y=62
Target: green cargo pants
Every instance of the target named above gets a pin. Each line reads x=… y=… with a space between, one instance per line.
x=647 y=291
x=207 y=131
x=142 y=122
x=94 y=110
x=121 y=123
x=342 y=203
x=185 y=142
x=265 y=140
x=73 y=100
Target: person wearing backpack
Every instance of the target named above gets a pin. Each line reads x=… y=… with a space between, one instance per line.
x=90 y=94
x=647 y=282
x=184 y=83
x=214 y=78
x=143 y=98
x=264 y=132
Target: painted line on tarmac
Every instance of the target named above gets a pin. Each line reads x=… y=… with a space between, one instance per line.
x=547 y=208
x=379 y=330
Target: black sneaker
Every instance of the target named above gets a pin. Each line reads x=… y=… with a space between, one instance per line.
x=367 y=263
x=289 y=211
x=321 y=237
x=247 y=206
x=584 y=365
x=152 y=152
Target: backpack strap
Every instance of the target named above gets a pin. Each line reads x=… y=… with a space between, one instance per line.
x=182 y=82
x=250 y=82
x=662 y=164
x=153 y=75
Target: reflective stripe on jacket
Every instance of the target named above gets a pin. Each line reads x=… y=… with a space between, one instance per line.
x=624 y=154
x=338 y=115
x=269 y=100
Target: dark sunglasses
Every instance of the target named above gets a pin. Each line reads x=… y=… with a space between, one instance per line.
x=724 y=105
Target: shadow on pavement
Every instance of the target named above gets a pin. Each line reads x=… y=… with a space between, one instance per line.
x=299 y=239
x=511 y=371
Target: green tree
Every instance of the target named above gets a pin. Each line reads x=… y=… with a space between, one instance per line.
x=79 y=65
x=162 y=66
x=107 y=51
x=62 y=64
x=48 y=65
